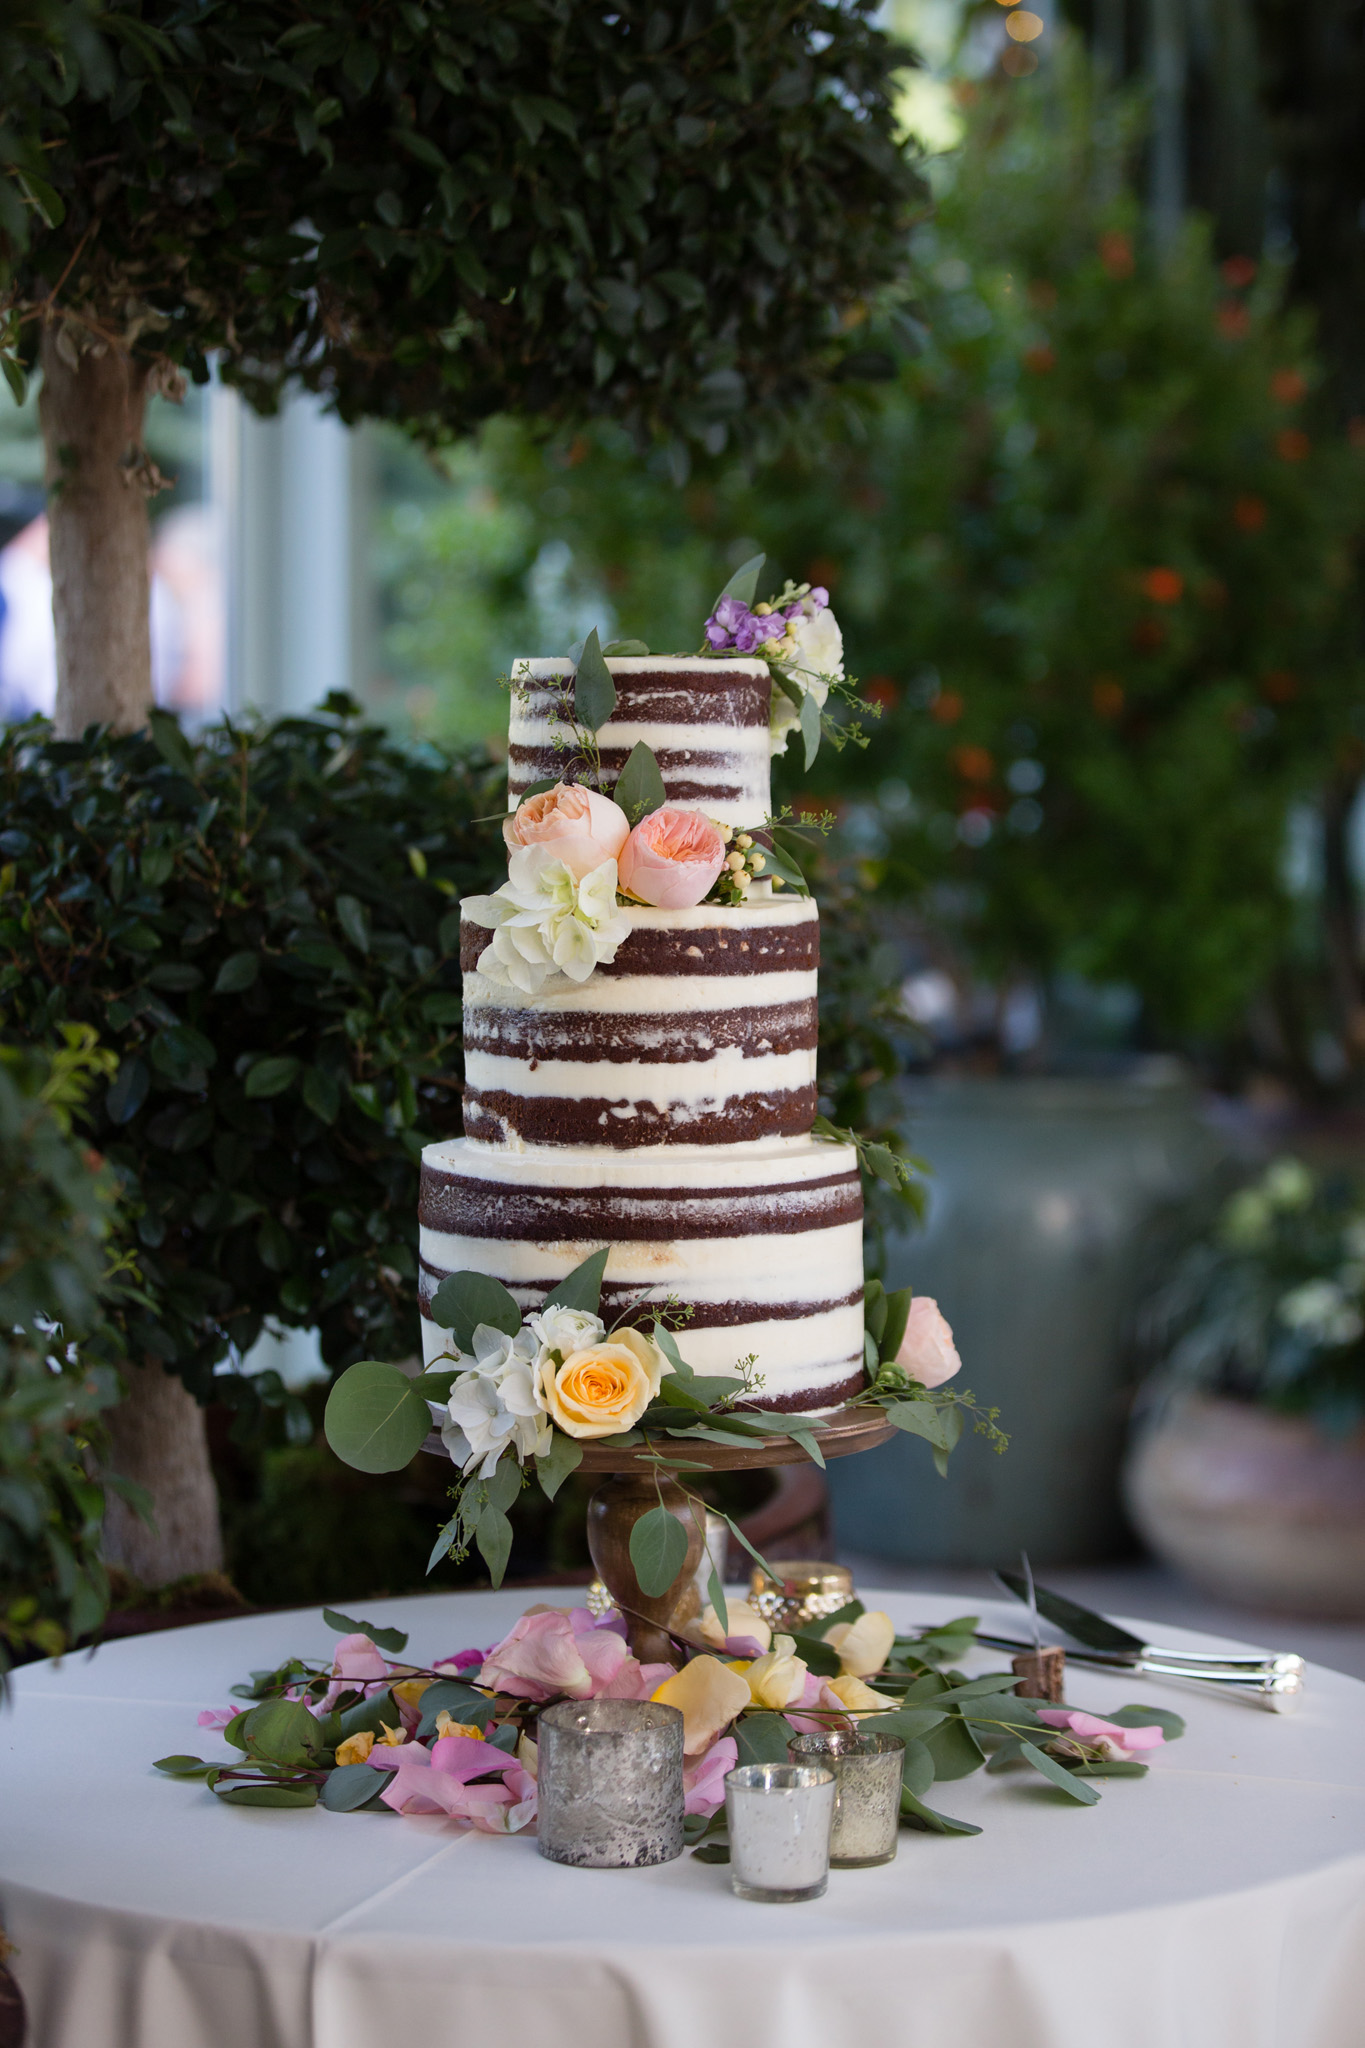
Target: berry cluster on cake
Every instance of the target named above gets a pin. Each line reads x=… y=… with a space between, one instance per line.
x=640 y=1032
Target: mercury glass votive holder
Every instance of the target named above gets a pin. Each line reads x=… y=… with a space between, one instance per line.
x=867 y=1784
x=610 y=1783
x=778 y=1818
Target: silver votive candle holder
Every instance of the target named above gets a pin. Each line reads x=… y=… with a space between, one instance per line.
x=778 y=1818
x=867 y=1785
x=610 y=1783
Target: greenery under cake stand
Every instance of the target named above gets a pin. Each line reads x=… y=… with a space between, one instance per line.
x=632 y=1485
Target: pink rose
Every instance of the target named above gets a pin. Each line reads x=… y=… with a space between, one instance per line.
x=927 y=1352
x=357 y=1659
x=671 y=858
x=579 y=826
x=704 y=1777
x=437 y=1780
x=1123 y=1745
x=550 y=1651
x=218 y=1717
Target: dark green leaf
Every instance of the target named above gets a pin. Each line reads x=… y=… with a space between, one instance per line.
x=1058 y=1774
x=874 y=1309
x=282 y=1732
x=594 y=692
x=715 y=1593
x=821 y=1625
x=553 y=1468
x=271 y=1076
x=370 y=1716
x=128 y=1090
x=624 y=647
x=464 y=1300
x=658 y=1551
x=171 y=744
x=818 y=1656
x=954 y=1749
x=881 y=1160
x=354 y=921
x=181 y=1766
x=394 y=1639
x=581 y=1289
x=373 y=1420
x=322 y=1094
x=917 y=1769
x=715 y=1852
x=640 y=786
x=353 y=1786
x=1171 y=1725
x=919 y=1418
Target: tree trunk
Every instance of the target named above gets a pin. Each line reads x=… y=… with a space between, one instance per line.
x=91 y=408
x=157 y=1438
x=98 y=478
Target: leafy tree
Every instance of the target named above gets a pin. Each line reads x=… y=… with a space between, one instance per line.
x=428 y=215
x=1095 y=560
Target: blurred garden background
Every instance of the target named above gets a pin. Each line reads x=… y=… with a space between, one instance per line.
x=1088 y=494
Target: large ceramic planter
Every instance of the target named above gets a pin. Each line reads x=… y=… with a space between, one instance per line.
x=1040 y=1194
x=1257 y=1507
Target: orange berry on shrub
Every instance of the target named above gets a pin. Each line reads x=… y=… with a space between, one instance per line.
x=947 y=707
x=1288 y=386
x=1040 y=359
x=973 y=764
x=1116 y=253
x=1238 y=272
x=1234 y=321
x=1249 y=513
x=1292 y=444
x=882 y=690
x=1163 y=586
x=1148 y=635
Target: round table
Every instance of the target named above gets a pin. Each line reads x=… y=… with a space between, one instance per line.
x=1218 y=1901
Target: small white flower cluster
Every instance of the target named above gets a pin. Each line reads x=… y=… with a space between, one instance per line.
x=500 y=1400
x=1323 y=1312
x=545 y=919
x=812 y=647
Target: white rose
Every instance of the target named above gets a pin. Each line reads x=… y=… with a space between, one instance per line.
x=544 y=917
x=564 y=1330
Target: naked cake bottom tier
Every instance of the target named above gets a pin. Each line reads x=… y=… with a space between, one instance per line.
x=763 y=1242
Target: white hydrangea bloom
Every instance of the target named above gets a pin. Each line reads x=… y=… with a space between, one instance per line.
x=544 y=919
x=495 y=1405
x=564 y=1330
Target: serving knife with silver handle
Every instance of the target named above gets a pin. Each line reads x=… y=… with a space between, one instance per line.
x=1273 y=1680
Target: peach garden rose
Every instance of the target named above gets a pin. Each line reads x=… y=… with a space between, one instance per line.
x=580 y=826
x=671 y=858
x=603 y=1388
x=927 y=1351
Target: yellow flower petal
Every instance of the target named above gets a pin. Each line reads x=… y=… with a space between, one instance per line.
x=445 y=1726
x=356 y=1748
x=528 y=1755
x=779 y=1678
x=392 y=1737
x=410 y=1690
x=744 y=1621
x=857 y=1696
x=863 y=1645
x=708 y=1696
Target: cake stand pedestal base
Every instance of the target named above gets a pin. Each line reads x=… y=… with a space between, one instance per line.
x=652 y=1625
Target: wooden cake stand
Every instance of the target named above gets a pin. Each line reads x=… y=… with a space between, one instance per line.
x=632 y=1489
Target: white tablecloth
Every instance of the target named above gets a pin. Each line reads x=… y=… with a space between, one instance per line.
x=1217 y=1903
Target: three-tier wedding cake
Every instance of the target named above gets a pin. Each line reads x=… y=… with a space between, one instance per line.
x=659 y=1099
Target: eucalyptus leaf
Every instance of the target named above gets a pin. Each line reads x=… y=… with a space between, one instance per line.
x=762 y=1738
x=594 y=692
x=1065 y=1780
x=394 y=1639
x=581 y=1289
x=893 y=1328
x=820 y=1625
x=874 y=1309
x=282 y=1732
x=778 y=862
x=744 y=582
x=181 y=1766
x=1171 y=1725
x=505 y=1482
x=916 y=1815
x=625 y=647
x=954 y=1749
x=351 y=1787
x=658 y=1551
x=554 y=1466
x=493 y=1535
x=712 y=1852
x=668 y=1344
x=267 y=1795
x=370 y=1716
x=454 y=1697
x=373 y=1419
x=810 y=727
x=817 y=1656
x=917 y=1769
x=435 y=1384
x=464 y=1300
x=919 y=1418
x=715 y=1593
x=640 y=785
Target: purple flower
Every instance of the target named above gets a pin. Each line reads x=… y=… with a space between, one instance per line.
x=819 y=597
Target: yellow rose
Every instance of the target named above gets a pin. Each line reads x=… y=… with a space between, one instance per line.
x=604 y=1388
x=410 y=1690
x=708 y=1695
x=863 y=1646
x=355 y=1749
